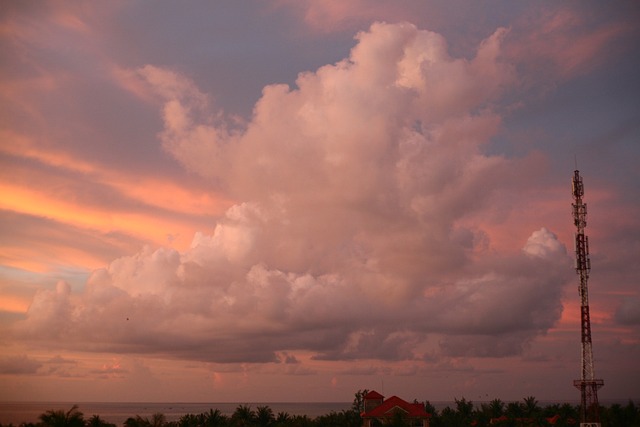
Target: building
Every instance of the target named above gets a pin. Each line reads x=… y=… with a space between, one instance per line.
x=378 y=411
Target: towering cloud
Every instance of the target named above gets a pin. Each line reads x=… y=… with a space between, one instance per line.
x=359 y=224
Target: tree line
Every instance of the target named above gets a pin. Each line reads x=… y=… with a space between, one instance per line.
x=527 y=412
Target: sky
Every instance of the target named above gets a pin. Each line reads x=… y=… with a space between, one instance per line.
x=293 y=200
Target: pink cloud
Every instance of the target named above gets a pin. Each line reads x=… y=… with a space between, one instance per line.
x=99 y=202
x=362 y=190
x=564 y=42
x=19 y=365
x=331 y=15
x=393 y=69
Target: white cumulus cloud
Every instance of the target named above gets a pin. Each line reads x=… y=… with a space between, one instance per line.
x=356 y=232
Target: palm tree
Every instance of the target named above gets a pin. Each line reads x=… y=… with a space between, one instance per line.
x=464 y=409
x=301 y=421
x=344 y=418
x=617 y=415
x=243 y=416
x=59 y=418
x=190 y=420
x=214 y=418
x=531 y=406
x=358 y=401
x=632 y=413
x=532 y=409
x=157 y=420
x=514 y=410
x=264 y=416
x=138 y=421
x=496 y=408
x=447 y=417
x=283 y=419
x=430 y=408
x=96 y=421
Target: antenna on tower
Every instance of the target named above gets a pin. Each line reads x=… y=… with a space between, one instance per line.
x=587 y=384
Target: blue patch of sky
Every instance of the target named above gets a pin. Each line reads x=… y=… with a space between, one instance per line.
x=230 y=49
x=594 y=117
x=75 y=277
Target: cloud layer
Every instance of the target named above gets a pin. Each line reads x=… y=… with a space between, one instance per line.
x=359 y=229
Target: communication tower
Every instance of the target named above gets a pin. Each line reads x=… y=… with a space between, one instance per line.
x=587 y=384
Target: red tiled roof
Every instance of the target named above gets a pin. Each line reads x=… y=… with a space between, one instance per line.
x=553 y=420
x=413 y=410
x=374 y=395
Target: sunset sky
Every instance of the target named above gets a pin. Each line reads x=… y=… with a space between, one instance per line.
x=292 y=200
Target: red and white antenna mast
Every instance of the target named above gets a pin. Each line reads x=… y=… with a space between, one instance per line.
x=587 y=384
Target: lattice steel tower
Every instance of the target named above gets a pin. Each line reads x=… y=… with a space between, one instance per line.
x=587 y=384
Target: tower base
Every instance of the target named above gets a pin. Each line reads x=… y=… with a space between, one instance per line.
x=589 y=406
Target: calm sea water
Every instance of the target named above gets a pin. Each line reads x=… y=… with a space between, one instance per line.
x=117 y=413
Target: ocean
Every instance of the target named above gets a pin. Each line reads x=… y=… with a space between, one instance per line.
x=117 y=413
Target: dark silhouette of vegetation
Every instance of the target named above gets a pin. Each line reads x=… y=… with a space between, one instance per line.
x=96 y=421
x=156 y=420
x=59 y=418
x=525 y=413
x=264 y=416
x=243 y=416
x=282 y=419
x=358 y=401
x=528 y=413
